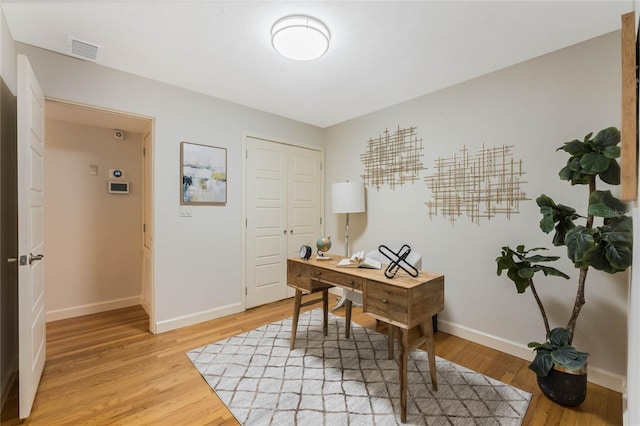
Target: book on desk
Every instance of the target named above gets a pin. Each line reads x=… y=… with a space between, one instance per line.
x=359 y=260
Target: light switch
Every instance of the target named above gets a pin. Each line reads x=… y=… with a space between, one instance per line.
x=93 y=169
x=185 y=211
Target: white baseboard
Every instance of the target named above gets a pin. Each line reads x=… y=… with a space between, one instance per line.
x=145 y=305
x=92 y=308
x=187 y=320
x=595 y=375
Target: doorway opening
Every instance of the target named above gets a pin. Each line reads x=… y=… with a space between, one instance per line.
x=99 y=217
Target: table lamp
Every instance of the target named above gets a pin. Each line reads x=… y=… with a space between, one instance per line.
x=347 y=197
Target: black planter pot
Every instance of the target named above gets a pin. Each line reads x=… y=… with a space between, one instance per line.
x=565 y=387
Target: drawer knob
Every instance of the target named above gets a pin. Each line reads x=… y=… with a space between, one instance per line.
x=318 y=273
x=298 y=275
x=385 y=301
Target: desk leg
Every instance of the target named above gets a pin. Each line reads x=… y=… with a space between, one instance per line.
x=390 y=342
x=403 y=338
x=296 y=314
x=347 y=330
x=325 y=311
x=427 y=331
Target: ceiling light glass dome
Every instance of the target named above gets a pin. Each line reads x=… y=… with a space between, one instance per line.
x=300 y=37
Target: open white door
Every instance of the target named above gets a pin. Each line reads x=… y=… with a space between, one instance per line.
x=31 y=314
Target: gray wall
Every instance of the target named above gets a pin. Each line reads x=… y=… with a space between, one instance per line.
x=535 y=106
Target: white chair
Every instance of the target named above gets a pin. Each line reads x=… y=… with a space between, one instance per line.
x=355 y=298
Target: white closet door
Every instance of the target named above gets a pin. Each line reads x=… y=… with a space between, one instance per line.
x=266 y=222
x=304 y=198
x=283 y=207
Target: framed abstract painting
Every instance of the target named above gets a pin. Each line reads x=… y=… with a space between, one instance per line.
x=203 y=174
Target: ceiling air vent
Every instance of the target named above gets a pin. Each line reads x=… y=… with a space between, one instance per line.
x=84 y=50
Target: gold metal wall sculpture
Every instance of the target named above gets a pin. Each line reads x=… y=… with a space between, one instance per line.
x=393 y=159
x=479 y=186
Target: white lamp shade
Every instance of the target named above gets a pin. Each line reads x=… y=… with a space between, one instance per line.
x=347 y=197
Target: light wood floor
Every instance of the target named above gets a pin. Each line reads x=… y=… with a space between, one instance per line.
x=107 y=369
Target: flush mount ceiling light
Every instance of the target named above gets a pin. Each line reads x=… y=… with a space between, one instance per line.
x=300 y=37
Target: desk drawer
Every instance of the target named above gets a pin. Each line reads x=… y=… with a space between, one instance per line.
x=338 y=278
x=387 y=301
x=299 y=275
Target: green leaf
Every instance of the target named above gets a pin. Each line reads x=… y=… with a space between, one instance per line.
x=576 y=148
x=612 y=174
x=547 y=270
x=607 y=137
x=560 y=215
x=604 y=204
x=594 y=163
x=558 y=337
x=522 y=271
x=579 y=240
x=566 y=173
x=619 y=230
x=542 y=364
x=564 y=354
x=578 y=363
x=540 y=258
x=614 y=250
x=611 y=152
x=568 y=357
x=574 y=164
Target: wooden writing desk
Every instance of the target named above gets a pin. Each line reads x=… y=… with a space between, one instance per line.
x=404 y=302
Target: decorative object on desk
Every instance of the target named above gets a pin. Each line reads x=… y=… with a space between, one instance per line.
x=305 y=252
x=347 y=197
x=323 y=245
x=607 y=247
x=393 y=159
x=359 y=260
x=398 y=261
x=336 y=381
x=479 y=186
x=203 y=174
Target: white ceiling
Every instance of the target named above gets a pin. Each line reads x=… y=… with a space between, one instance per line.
x=381 y=53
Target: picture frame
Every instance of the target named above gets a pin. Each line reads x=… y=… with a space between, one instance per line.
x=203 y=174
x=629 y=129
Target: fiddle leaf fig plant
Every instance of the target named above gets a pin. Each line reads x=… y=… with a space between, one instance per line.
x=606 y=247
x=556 y=350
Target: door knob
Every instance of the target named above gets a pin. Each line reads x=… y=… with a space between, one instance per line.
x=35 y=258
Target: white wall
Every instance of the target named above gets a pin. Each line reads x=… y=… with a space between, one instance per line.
x=197 y=265
x=535 y=106
x=94 y=239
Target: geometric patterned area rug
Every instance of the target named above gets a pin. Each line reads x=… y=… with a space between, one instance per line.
x=337 y=381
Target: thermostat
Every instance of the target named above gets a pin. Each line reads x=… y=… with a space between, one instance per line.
x=118 y=187
x=116 y=174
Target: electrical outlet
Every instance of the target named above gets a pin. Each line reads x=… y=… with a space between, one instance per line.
x=185 y=211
